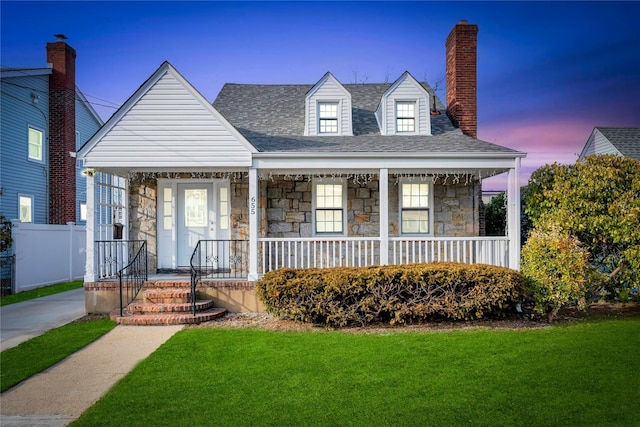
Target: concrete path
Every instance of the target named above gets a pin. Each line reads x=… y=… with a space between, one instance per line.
x=63 y=392
x=25 y=320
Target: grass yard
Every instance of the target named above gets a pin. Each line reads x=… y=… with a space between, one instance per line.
x=40 y=292
x=39 y=353
x=579 y=374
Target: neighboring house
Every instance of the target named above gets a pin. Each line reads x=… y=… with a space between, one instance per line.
x=44 y=120
x=613 y=140
x=325 y=174
x=489 y=195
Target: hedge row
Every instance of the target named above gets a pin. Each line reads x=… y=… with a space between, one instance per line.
x=391 y=294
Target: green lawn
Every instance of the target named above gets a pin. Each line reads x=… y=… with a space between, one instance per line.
x=581 y=374
x=39 y=353
x=40 y=292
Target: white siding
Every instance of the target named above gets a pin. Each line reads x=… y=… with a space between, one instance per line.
x=602 y=145
x=169 y=127
x=329 y=90
x=598 y=144
x=406 y=90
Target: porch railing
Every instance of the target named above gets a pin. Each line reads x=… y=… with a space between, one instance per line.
x=276 y=253
x=467 y=250
x=318 y=252
x=111 y=256
x=218 y=259
x=132 y=277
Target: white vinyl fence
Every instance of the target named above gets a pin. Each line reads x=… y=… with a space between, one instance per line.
x=48 y=254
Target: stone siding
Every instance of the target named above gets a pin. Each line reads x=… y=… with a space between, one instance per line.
x=455 y=210
x=143 y=216
x=285 y=209
x=289 y=208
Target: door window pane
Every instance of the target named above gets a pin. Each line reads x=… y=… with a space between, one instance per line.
x=168 y=208
x=195 y=206
x=224 y=208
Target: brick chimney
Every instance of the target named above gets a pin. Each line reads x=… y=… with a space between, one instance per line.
x=461 y=77
x=62 y=132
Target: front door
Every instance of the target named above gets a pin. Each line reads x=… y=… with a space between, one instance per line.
x=196 y=218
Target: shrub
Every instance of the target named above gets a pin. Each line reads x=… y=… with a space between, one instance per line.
x=5 y=234
x=556 y=269
x=394 y=294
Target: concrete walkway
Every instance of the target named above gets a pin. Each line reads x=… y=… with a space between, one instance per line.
x=63 y=392
x=25 y=320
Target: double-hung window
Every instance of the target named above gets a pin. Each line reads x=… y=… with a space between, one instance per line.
x=327 y=117
x=414 y=208
x=329 y=207
x=35 y=144
x=405 y=116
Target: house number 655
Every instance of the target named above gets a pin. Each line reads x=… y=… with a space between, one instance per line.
x=252 y=206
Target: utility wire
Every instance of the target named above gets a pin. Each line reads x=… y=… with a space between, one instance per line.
x=114 y=106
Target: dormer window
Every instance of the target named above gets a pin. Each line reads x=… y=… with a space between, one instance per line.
x=327 y=109
x=404 y=108
x=327 y=117
x=405 y=116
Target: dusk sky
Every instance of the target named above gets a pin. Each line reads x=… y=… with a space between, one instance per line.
x=548 y=72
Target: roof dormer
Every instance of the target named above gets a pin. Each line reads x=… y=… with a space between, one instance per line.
x=404 y=108
x=328 y=108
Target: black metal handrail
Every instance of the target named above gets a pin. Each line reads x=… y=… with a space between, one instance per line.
x=133 y=276
x=218 y=259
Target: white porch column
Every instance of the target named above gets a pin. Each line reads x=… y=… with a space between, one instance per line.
x=513 y=215
x=126 y=233
x=253 y=225
x=384 y=216
x=89 y=271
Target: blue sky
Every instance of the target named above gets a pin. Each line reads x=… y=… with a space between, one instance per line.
x=548 y=72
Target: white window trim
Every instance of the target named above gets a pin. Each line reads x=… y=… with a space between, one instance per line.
x=338 y=102
x=33 y=203
x=42 y=145
x=330 y=181
x=416 y=116
x=430 y=207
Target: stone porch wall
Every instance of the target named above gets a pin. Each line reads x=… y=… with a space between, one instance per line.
x=143 y=216
x=289 y=208
x=285 y=209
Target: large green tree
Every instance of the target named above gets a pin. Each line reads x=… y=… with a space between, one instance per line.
x=597 y=201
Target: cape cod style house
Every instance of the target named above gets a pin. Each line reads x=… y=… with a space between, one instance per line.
x=319 y=175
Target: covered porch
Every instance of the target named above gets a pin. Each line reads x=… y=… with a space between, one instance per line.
x=268 y=220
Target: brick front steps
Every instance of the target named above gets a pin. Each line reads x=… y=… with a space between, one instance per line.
x=167 y=303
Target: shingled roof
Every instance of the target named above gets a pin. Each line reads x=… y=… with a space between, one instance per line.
x=271 y=118
x=626 y=140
